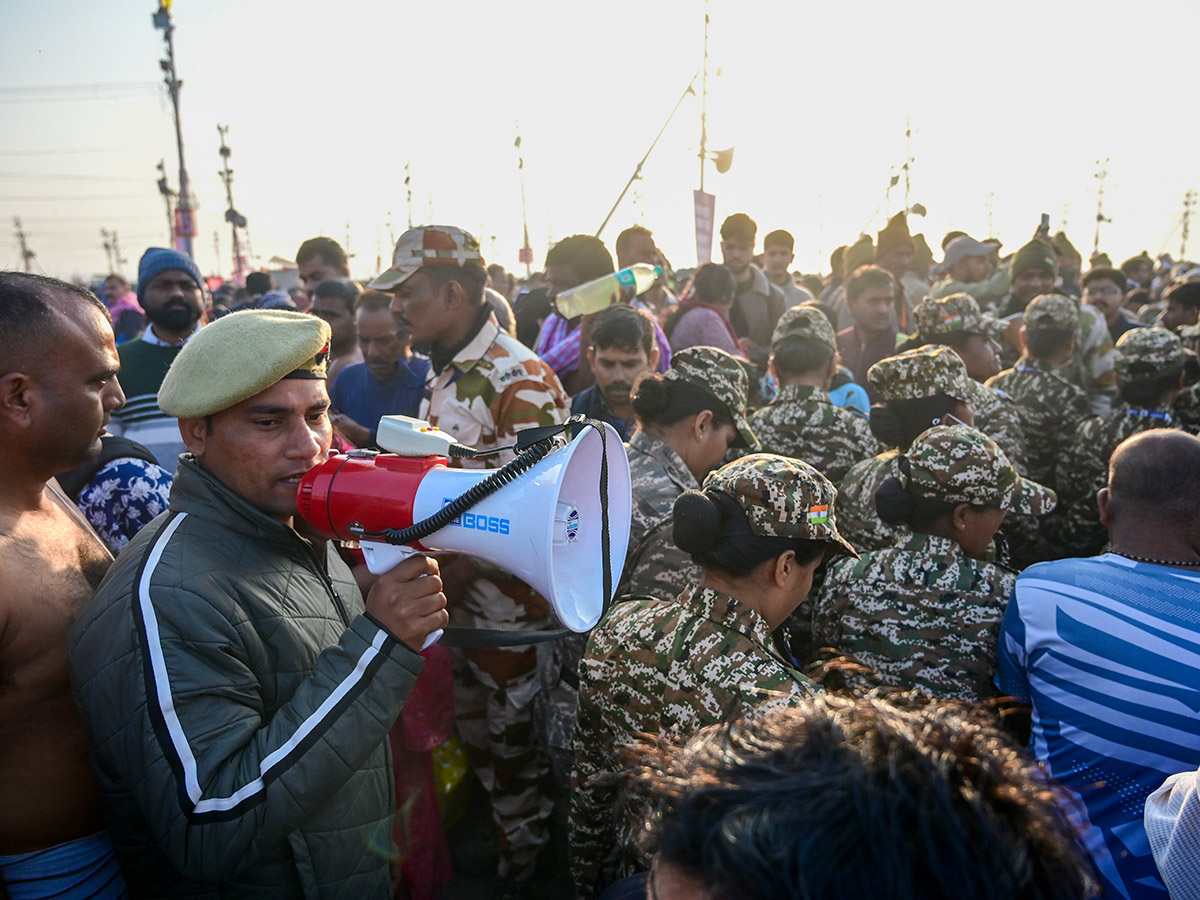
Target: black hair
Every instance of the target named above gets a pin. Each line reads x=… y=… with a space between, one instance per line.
x=780 y=238
x=326 y=248
x=868 y=276
x=898 y=422
x=586 y=254
x=666 y=401
x=472 y=279
x=712 y=527
x=624 y=328
x=1147 y=391
x=625 y=238
x=260 y=282
x=1105 y=273
x=373 y=301
x=342 y=289
x=1042 y=343
x=714 y=282
x=27 y=319
x=1186 y=294
x=896 y=506
x=897 y=795
x=739 y=227
x=797 y=355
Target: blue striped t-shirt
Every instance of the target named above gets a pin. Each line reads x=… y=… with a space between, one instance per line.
x=1107 y=652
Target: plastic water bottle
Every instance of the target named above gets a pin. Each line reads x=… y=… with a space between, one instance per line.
x=593 y=296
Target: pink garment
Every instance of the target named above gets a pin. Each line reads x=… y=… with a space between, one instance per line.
x=125 y=303
x=703 y=326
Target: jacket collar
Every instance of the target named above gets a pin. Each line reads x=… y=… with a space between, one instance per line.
x=467 y=354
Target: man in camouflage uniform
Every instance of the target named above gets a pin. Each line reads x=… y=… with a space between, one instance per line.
x=654 y=566
x=1150 y=363
x=956 y=321
x=670 y=667
x=922 y=613
x=912 y=375
x=1049 y=406
x=802 y=422
x=484 y=387
x=1034 y=268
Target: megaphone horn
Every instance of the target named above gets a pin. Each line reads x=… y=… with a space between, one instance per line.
x=544 y=527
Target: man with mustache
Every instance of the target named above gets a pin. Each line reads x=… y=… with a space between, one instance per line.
x=622 y=351
x=237 y=688
x=391 y=379
x=171 y=291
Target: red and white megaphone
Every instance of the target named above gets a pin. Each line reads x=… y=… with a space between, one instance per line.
x=544 y=525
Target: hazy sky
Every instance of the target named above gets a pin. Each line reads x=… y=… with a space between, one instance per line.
x=326 y=102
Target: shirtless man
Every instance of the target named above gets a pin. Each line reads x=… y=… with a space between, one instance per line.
x=58 y=385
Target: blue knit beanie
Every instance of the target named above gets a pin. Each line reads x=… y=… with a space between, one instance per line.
x=158 y=259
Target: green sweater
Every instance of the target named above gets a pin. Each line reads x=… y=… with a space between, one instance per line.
x=143 y=367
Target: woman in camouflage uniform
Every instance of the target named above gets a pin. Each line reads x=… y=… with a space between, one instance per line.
x=922 y=387
x=688 y=418
x=758 y=530
x=925 y=612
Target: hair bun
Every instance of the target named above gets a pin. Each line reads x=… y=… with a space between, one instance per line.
x=652 y=398
x=697 y=522
x=893 y=503
x=886 y=425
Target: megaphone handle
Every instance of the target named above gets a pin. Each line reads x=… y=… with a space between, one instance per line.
x=385 y=557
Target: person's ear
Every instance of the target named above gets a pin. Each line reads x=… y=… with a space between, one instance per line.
x=771 y=368
x=961 y=516
x=786 y=569
x=16 y=404
x=702 y=424
x=195 y=433
x=591 y=357
x=455 y=295
x=652 y=359
x=1104 y=503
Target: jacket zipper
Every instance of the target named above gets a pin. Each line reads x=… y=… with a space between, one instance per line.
x=329 y=586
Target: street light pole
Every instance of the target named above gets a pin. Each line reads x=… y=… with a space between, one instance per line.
x=184 y=208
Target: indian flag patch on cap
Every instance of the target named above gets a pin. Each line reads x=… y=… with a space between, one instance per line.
x=818 y=515
x=955 y=319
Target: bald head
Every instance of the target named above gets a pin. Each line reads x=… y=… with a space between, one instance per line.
x=1156 y=474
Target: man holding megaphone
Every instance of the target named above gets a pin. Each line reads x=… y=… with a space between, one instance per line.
x=236 y=689
x=484 y=389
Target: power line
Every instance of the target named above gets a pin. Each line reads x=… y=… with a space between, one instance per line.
x=68 y=152
x=65 y=176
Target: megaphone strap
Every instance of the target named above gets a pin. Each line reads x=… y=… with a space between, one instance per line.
x=474 y=638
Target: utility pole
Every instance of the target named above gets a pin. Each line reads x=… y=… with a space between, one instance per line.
x=407 y=191
x=1101 y=176
x=107 y=244
x=27 y=255
x=235 y=219
x=1189 y=206
x=186 y=226
x=704 y=101
x=168 y=195
x=525 y=254
x=908 y=160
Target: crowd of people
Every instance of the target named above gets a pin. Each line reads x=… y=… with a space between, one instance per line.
x=908 y=606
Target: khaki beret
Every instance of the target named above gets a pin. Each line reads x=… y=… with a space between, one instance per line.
x=240 y=355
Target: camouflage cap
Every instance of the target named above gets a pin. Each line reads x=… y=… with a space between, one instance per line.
x=782 y=497
x=722 y=376
x=428 y=245
x=806 y=321
x=1051 y=311
x=924 y=372
x=958 y=464
x=956 y=313
x=1144 y=353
